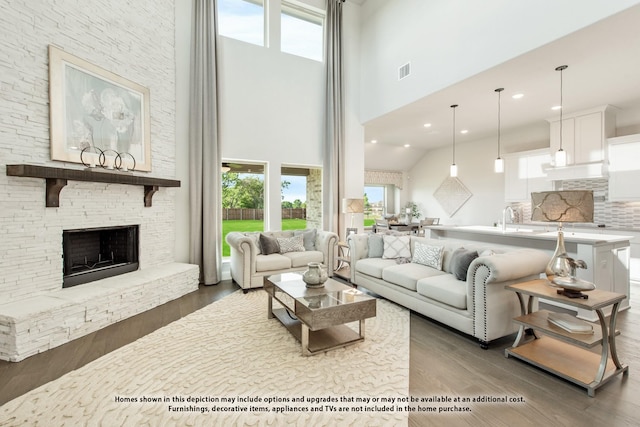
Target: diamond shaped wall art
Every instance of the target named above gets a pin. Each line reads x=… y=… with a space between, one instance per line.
x=452 y=195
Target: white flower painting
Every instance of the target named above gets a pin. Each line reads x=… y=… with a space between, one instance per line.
x=94 y=108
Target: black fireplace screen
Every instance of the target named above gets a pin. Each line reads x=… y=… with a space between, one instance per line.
x=97 y=253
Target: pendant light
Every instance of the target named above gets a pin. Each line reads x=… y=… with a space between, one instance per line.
x=561 y=155
x=498 y=165
x=453 y=170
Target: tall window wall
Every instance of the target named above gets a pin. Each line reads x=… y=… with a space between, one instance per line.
x=301 y=25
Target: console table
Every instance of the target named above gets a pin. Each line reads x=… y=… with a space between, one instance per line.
x=564 y=353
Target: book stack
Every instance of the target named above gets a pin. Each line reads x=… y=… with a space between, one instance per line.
x=570 y=323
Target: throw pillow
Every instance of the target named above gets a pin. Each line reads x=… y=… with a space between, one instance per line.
x=428 y=255
x=487 y=252
x=396 y=247
x=308 y=237
x=460 y=261
x=255 y=238
x=291 y=244
x=269 y=245
x=376 y=246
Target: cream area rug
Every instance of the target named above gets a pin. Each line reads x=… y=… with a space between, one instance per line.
x=228 y=365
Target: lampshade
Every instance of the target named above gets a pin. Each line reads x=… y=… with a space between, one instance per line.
x=498 y=164
x=352 y=205
x=562 y=206
x=560 y=157
x=453 y=169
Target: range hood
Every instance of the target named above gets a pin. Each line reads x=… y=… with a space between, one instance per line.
x=578 y=171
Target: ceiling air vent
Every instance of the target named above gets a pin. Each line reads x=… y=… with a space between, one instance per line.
x=404 y=71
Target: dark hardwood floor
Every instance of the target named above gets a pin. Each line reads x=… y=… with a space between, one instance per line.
x=442 y=363
x=18 y=378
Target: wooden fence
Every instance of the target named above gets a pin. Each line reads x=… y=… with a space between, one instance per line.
x=258 y=214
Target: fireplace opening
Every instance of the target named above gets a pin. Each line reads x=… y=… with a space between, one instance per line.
x=96 y=253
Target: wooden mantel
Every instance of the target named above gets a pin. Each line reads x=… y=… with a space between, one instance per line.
x=57 y=178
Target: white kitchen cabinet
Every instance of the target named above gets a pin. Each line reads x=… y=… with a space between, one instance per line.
x=624 y=170
x=524 y=173
x=583 y=134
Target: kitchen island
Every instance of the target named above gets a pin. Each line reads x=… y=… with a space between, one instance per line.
x=607 y=256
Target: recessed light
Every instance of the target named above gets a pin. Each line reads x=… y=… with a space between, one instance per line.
x=407 y=145
x=518 y=95
x=427 y=125
x=463 y=131
x=374 y=141
x=556 y=107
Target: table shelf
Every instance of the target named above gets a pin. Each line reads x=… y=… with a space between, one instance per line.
x=568 y=355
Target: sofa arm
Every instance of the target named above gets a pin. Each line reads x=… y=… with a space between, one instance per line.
x=326 y=242
x=243 y=258
x=494 y=306
x=358 y=249
x=512 y=265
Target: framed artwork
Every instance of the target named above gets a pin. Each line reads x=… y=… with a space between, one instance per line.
x=451 y=195
x=97 y=111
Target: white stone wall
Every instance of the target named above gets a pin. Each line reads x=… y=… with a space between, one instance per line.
x=132 y=39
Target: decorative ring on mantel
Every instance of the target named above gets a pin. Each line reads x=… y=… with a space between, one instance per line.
x=106 y=159
x=92 y=156
x=125 y=164
x=89 y=158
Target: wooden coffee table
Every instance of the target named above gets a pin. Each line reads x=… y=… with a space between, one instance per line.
x=317 y=317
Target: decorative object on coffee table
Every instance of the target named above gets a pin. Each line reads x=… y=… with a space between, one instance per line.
x=564 y=206
x=315 y=275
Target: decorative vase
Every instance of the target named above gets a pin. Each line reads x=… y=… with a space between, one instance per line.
x=314 y=276
x=558 y=265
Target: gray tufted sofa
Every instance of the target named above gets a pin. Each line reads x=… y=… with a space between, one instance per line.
x=479 y=306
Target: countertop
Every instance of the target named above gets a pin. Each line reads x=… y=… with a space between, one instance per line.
x=526 y=232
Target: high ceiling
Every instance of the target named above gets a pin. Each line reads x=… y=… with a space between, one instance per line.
x=603 y=68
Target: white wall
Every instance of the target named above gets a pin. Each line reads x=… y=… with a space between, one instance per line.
x=134 y=40
x=183 y=12
x=354 y=132
x=271 y=109
x=447 y=41
x=475 y=171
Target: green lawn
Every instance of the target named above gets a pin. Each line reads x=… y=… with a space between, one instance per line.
x=257 y=225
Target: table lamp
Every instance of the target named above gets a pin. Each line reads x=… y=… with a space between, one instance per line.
x=352 y=206
x=564 y=206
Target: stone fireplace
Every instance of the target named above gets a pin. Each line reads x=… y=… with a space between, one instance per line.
x=113 y=232
x=96 y=253
x=36 y=312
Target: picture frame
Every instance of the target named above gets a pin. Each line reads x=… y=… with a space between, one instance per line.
x=100 y=112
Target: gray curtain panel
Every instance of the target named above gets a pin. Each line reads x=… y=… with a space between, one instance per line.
x=334 y=168
x=205 y=174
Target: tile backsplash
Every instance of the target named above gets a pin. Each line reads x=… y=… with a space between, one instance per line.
x=611 y=214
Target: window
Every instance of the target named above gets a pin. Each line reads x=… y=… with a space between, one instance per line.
x=242 y=199
x=294 y=199
x=301 y=31
x=374 y=203
x=242 y=20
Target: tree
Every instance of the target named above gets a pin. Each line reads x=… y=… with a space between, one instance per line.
x=367 y=205
x=244 y=190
